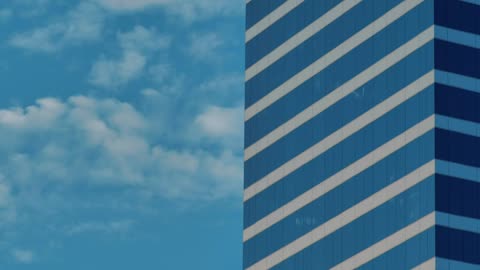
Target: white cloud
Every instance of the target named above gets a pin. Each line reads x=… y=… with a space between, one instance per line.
x=112 y=73
x=149 y=92
x=141 y=38
x=189 y=10
x=205 y=46
x=219 y=122
x=5 y=14
x=7 y=204
x=136 y=45
x=83 y=24
x=159 y=73
x=119 y=226
x=23 y=256
x=107 y=142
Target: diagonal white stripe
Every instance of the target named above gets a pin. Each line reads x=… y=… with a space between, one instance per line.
x=349 y=216
x=271 y=18
x=300 y=37
x=345 y=174
x=339 y=93
x=324 y=61
x=428 y=265
x=388 y=243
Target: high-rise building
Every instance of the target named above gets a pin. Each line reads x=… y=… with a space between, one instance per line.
x=362 y=134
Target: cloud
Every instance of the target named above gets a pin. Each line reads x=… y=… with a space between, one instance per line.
x=143 y=39
x=82 y=24
x=5 y=14
x=219 y=122
x=7 y=204
x=188 y=10
x=136 y=45
x=120 y=226
x=112 y=73
x=105 y=142
x=23 y=256
x=205 y=46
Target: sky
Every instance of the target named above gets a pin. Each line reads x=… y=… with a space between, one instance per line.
x=121 y=134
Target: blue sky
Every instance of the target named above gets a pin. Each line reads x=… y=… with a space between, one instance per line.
x=121 y=134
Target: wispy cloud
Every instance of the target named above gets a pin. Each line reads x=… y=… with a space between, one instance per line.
x=82 y=24
x=112 y=73
x=135 y=46
x=219 y=122
x=205 y=46
x=107 y=142
x=5 y=14
x=119 y=226
x=23 y=256
x=188 y=10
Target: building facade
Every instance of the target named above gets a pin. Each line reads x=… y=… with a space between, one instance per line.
x=362 y=134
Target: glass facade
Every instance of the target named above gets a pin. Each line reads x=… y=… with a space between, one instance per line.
x=362 y=134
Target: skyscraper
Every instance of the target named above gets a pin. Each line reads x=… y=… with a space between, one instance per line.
x=362 y=134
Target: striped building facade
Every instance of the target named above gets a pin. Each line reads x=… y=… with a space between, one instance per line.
x=362 y=134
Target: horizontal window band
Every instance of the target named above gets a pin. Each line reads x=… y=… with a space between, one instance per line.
x=340 y=177
x=460 y=15
x=330 y=57
x=456 y=58
x=340 y=92
x=447 y=100
x=457 y=245
x=443 y=263
x=457 y=36
x=457 y=80
x=458 y=222
x=361 y=186
x=457 y=196
x=475 y=2
x=271 y=18
x=458 y=170
x=457 y=147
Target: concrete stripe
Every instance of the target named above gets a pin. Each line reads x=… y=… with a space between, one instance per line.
x=446 y=264
x=360 y=122
x=458 y=125
x=458 y=80
x=388 y=243
x=318 y=148
x=458 y=222
x=349 y=216
x=457 y=36
x=271 y=18
x=475 y=2
x=458 y=170
x=300 y=37
x=340 y=177
x=339 y=93
x=324 y=61
x=428 y=265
